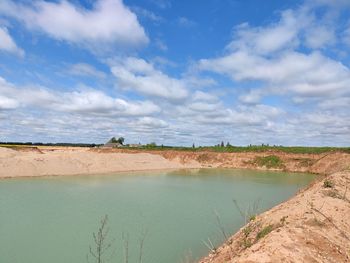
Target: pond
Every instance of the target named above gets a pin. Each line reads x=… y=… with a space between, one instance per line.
x=52 y=219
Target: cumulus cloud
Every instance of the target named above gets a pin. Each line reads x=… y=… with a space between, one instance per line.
x=88 y=101
x=272 y=57
x=151 y=123
x=8 y=44
x=108 y=22
x=204 y=96
x=7 y=103
x=139 y=75
x=268 y=39
x=320 y=36
x=304 y=74
x=284 y=59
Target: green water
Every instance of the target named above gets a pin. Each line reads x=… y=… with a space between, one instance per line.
x=51 y=219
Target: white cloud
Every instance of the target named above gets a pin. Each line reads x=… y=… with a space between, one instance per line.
x=109 y=22
x=307 y=75
x=138 y=75
x=286 y=58
x=204 y=96
x=83 y=69
x=8 y=44
x=268 y=39
x=152 y=123
x=320 y=36
x=252 y=97
x=7 y=103
x=87 y=101
x=341 y=103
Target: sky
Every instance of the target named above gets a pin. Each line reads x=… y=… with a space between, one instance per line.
x=176 y=72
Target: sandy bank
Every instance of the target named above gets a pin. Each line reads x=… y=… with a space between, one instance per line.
x=41 y=161
x=72 y=161
x=313 y=226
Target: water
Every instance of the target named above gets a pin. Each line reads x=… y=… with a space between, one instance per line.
x=51 y=219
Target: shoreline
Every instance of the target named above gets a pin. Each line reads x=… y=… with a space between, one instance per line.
x=309 y=227
x=68 y=161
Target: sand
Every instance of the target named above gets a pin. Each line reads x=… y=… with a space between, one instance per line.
x=45 y=161
x=42 y=161
x=313 y=226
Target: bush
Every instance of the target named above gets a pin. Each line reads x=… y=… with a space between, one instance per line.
x=266 y=230
x=328 y=184
x=271 y=161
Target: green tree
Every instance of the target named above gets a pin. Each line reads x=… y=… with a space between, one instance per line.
x=113 y=140
x=121 y=140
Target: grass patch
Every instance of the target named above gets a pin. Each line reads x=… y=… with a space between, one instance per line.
x=328 y=184
x=217 y=148
x=265 y=231
x=271 y=161
x=251 y=148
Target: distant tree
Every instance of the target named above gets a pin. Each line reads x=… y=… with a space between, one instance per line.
x=228 y=144
x=113 y=140
x=222 y=144
x=121 y=140
x=193 y=146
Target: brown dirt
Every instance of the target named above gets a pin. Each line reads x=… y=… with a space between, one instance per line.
x=325 y=163
x=313 y=226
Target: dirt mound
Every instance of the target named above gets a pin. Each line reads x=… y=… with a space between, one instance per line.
x=314 y=163
x=7 y=152
x=331 y=163
x=311 y=227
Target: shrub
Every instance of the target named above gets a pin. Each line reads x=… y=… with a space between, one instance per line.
x=328 y=184
x=263 y=232
x=271 y=161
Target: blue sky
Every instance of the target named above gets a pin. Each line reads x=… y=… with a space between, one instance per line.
x=175 y=72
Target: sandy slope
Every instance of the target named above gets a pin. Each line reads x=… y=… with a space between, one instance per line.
x=39 y=161
x=71 y=161
x=313 y=226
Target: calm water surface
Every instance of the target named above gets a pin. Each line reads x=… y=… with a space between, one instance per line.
x=51 y=219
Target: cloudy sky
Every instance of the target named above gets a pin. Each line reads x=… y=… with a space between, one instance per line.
x=175 y=72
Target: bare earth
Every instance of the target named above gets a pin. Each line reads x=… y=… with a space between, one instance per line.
x=44 y=161
x=313 y=226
